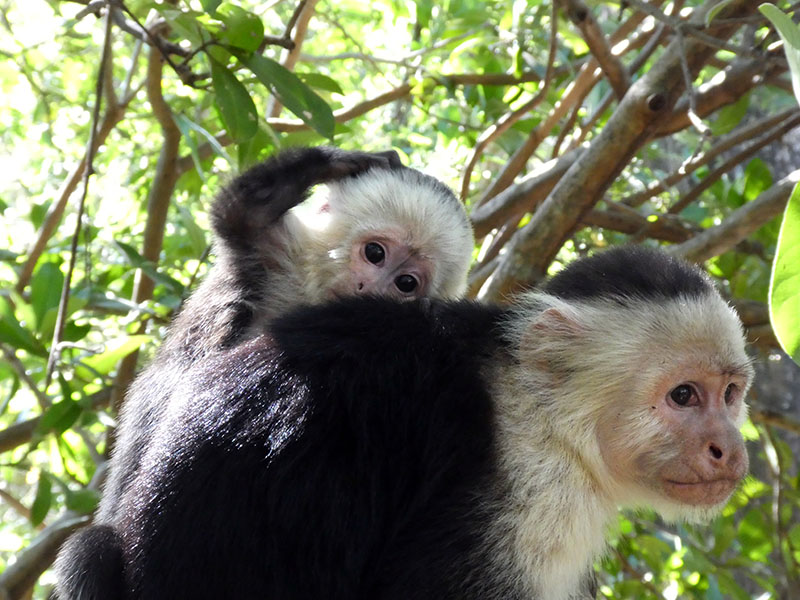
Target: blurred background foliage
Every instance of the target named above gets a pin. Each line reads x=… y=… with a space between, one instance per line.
x=566 y=127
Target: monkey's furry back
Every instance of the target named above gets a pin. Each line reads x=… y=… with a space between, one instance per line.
x=330 y=446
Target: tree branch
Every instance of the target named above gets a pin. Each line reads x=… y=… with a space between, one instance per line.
x=666 y=228
x=769 y=417
x=735 y=81
x=61 y=315
x=11 y=356
x=741 y=223
x=584 y=20
x=524 y=195
x=158 y=202
x=534 y=246
x=585 y=81
x=19 y=577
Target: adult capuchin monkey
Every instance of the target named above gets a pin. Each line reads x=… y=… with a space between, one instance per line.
x=368 y=449
x=385 y=230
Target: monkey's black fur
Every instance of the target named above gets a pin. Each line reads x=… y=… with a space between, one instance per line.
x=628 y=271
x=348 y=455
x=337 y=459
x=220 y=312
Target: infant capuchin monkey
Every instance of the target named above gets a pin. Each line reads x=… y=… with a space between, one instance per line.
x=383 y=229
x=370 y=449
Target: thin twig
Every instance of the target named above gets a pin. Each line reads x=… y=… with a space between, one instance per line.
x=88 y=171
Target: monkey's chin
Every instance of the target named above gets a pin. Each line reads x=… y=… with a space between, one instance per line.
x=702 y=494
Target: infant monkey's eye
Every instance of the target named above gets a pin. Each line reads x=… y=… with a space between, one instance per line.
x=374 y=252
x=406 y=283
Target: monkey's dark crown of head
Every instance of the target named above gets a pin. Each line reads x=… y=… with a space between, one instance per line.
x=629 y=272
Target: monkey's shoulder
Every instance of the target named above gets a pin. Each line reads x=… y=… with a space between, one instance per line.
x=373 y=329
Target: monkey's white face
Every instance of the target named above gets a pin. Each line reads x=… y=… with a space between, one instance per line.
x=704 y=412
x=689 y=452
x=385 y=264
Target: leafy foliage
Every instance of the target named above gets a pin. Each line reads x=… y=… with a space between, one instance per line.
x=550 y=160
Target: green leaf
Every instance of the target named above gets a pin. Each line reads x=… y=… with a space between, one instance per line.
x=264 y=142
x=43 y=499
x=236 y=107
x=757 y=178
x=60 y=417
x=784 y=288
x=790 y=34
x=197 y=237
x=140 y=262
x=46 y=287
x=295 y=95
x=83 y=501
x=14 y=334
x=730 y=116
x=243 y=29
x=183 y=22
x=115 y=351
x=321 y=82
x=715 y=11
x=186 y=131
x=186 y=126
x=755 y=535
x=210 y=5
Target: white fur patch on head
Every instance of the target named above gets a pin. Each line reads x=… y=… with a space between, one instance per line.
x=432 y=218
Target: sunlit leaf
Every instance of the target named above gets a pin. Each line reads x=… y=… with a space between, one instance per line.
x=46 y=290
x=83 y=501
x=140 y=262
x=235 y=105
x=60 y=417
x=790 y=34
x=321 y=82
x=43 y=500
x=116 y=350
x=186 y=125
x=295 y=95
x=243 y=29
x=784 y=293
x=14 y=334
x=197 y=237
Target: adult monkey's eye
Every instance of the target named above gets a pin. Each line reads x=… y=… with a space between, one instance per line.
x=374 y=252
x=682 y=394
x=406 y=283
x=729 y=393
